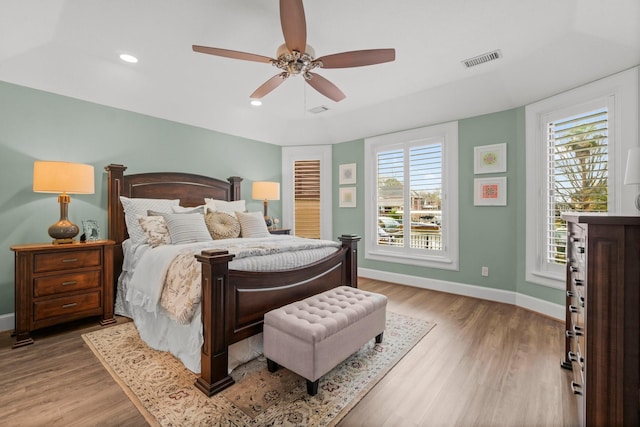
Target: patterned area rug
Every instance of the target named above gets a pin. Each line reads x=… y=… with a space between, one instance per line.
x=164 y=392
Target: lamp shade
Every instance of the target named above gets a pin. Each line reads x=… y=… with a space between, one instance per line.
x=62 y=177
x=632 y=174
x=266 y=191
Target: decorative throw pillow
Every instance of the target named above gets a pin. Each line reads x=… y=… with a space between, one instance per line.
x=155 y=228
x=135 y=208
x=222 y=225
x=252 y=224
x=186 y=228
x=227 y=207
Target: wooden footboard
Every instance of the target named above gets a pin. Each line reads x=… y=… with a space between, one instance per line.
x=234 y=302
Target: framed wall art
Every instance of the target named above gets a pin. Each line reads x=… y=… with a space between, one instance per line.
x=348 y=197
x=490 y=191
x=490 y=158
x=348 y=174
x=90 y=229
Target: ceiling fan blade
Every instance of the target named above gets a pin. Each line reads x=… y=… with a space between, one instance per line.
x=358 y=58
x=231 y=54
x=325 y=87
x=268 y=86
x=294 y=25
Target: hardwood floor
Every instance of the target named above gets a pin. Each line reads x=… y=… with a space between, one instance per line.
x=484 y=364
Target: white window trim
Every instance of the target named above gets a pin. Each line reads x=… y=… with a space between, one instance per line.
x=620 y=93
x=448 y=259
x=308 y=152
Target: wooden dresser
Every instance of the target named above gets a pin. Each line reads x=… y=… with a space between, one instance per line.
x=603 y=317
x=59 y=283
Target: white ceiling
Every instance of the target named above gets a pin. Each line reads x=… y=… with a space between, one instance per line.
x=71 y=47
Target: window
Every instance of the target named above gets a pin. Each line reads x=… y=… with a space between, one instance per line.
x=577 y=174
x=575 y=162
x=306 y=198
x=412 y=203
x=306 y=191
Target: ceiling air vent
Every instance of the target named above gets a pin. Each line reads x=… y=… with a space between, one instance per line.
x=320 y=109
x=481 y=59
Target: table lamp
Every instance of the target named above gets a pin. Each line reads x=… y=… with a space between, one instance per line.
x=632 y=174
x=266 y=191
x=63 y=178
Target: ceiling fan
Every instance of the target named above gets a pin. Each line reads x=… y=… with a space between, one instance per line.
x=295 y=56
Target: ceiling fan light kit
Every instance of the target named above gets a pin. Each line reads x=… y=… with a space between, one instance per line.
x=295 y=56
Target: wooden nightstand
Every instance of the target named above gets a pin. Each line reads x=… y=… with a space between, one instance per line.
x=280 y=231
x=58 y=283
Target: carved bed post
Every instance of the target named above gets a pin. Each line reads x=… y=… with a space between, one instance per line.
x=115 y=225
x=214 y=359
x=236 y=182
x=350 y=241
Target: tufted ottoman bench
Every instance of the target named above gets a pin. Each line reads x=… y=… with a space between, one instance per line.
x=310 y=337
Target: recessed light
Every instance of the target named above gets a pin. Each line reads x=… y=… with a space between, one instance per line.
x=256 y=102
x=128 y=58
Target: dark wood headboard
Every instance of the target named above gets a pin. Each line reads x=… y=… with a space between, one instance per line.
x=189 y=188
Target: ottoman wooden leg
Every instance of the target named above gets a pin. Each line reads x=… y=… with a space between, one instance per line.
x=312 y=387
x=379 y=338
x=272 y=366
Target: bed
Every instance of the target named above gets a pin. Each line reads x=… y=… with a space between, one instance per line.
x=233 y=302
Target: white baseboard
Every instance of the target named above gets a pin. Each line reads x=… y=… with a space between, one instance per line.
x=546 y=308
x=7 y=322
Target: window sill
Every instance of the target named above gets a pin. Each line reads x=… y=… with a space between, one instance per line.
x=440 y=262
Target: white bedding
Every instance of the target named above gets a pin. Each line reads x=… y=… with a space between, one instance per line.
x=144 y=269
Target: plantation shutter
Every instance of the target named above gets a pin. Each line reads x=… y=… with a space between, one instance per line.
x=577 y=180
x=307 y=198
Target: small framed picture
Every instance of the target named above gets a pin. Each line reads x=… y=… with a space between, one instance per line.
x=348 y=174
x=91 y=230
x=490 y=191
x=348 y=197
x=490 y=158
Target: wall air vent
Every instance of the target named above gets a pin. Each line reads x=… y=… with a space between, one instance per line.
x=481 y=59
x=320 y=109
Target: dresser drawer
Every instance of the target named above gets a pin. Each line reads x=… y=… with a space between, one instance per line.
x=55 y=261
x=66 y=305
x=61 y=283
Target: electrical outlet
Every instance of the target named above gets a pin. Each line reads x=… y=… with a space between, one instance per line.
x=485 y=271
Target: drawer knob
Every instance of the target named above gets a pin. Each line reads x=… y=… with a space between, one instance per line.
x=578 y=330
x=573 y=269
x=580 y=249
x=573 y=309
x=578 y=282
x=570 y=294
x=581 y=301
x=570 y=334
x=576 y=388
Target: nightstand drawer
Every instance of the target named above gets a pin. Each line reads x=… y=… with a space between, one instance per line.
x=66 y=260
x=66 y=305
x=50 y=285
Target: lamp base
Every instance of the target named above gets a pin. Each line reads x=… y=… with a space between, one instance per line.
x=63 y=241
x=63 y=232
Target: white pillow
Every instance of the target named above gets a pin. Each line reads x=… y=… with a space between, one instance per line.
x=135 y=208
x=226 y=207
x=187 y=228
x=182 y=209
x=252 y=224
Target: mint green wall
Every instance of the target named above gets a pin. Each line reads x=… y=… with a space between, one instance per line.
x=489 y=236
x=36 y=125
